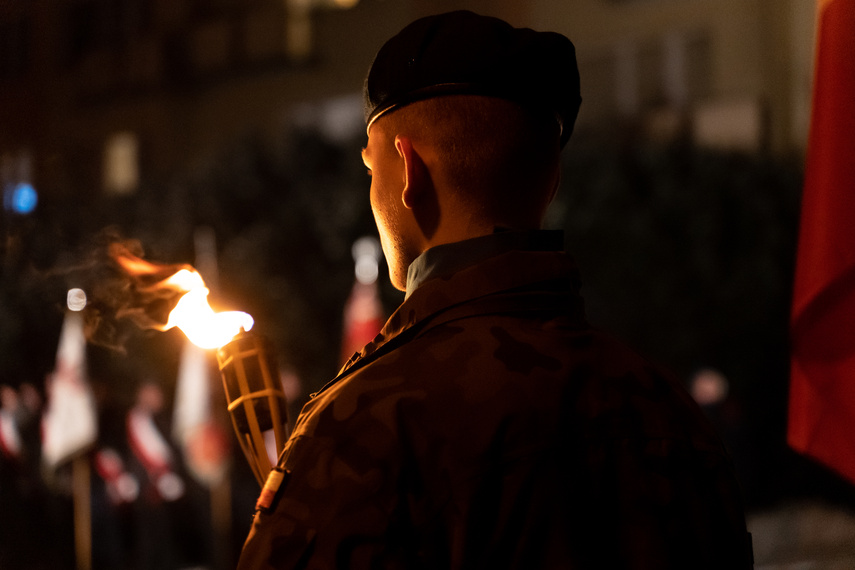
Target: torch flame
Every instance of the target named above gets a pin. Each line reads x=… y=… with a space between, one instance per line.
x=205 y=328
x=192 y=314
x=195 y=317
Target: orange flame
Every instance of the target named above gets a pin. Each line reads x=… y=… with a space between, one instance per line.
x=192 y=314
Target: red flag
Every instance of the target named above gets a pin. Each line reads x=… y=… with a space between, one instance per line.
x=822 y=387
x=363 y=312
x=363 y=318
x=69 y=425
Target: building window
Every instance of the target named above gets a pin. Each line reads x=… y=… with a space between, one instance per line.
x=121 y=164
x=94 y=25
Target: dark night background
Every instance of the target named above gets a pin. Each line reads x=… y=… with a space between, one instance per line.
x=686 y=253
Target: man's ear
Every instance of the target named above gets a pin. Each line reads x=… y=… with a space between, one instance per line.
x=415 y=172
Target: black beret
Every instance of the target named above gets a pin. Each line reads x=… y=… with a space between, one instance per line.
x=464 y=53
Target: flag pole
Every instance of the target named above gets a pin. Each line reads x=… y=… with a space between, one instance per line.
x=221 y=520
x=70 y=424
x=82 y=502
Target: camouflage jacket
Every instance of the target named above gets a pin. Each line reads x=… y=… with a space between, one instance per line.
x=489 y=426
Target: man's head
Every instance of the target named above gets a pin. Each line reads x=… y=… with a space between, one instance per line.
x=466 y=119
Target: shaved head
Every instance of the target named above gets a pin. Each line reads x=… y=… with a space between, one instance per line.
x=500 y=159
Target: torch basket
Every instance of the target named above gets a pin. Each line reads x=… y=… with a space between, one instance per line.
x=256 y=402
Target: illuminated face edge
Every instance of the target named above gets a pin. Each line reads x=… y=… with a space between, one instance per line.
x=386 y=168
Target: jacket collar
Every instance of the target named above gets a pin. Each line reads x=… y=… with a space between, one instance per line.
x=450 y=258
x=495 y=285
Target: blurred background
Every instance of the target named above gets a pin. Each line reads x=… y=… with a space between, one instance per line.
x=226 y=134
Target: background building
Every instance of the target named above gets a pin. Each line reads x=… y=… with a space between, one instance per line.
x=737 y=71
x=100 y=94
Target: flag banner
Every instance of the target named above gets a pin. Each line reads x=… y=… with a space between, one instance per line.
x=203 y=442
x=822 y=378
x=363 y=318
x=69 y=425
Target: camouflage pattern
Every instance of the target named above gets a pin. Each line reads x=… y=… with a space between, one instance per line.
x=489 y=426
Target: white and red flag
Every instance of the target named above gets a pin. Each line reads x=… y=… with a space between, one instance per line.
x=69 y=425
x=204 y=443
x=363 y=318
x=822 y=384
x=363 y=311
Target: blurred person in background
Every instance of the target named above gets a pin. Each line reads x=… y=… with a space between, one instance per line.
x=489 y=425
x=10 y=438
x=152 y=462
x=24 y=519
x=11 y=473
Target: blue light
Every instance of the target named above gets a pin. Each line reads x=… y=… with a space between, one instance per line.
x=24 y=198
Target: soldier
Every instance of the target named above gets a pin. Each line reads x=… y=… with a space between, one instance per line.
x=488 y=425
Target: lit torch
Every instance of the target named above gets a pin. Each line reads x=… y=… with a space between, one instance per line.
x=255 y=398
x=247 y=362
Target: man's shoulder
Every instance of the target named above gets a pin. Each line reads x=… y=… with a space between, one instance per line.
x=509 y=364
x=607 y=387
